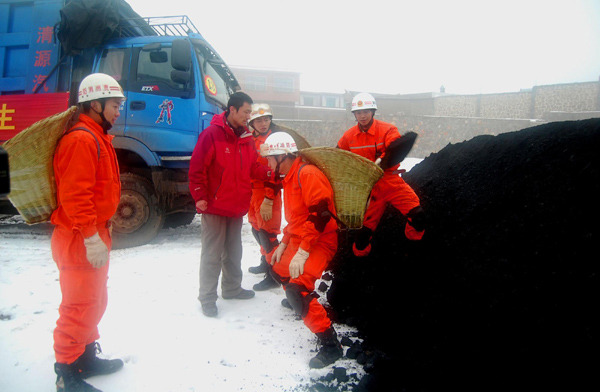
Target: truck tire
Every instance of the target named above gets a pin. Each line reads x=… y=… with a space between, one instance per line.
x=139 y=216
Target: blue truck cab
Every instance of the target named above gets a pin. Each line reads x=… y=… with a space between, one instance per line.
x=174 y=82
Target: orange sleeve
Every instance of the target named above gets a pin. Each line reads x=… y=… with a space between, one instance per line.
x=390 y=134
x=75 y=168
x=286 y=236
x=315 y=187
x=343 y=143
x=270 y=192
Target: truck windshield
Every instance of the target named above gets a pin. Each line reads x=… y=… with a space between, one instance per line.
x=217 y=80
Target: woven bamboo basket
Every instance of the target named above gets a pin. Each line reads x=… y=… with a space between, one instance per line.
x=351 y=176
x=301 y=142
x=30 y=155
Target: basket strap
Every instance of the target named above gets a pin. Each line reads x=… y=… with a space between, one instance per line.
x=301 y=167
x=90 y=132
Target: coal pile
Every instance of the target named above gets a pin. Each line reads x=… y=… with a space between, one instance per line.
x=502 y=292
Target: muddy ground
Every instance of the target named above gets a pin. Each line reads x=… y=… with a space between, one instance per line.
x=502 y=292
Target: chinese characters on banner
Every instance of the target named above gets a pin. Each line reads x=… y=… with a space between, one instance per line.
x=43 y=56
x=17 y=112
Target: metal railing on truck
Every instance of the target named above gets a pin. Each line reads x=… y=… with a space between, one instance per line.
x=179 y=25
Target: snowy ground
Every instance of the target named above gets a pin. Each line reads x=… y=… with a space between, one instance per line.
x=154 y=321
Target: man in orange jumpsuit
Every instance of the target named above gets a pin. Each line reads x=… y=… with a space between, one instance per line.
x=88 y=192
x=309 y=240
x=370 y=138
x=265 y=206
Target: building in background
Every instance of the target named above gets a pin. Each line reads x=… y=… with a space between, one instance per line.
x=439 y=117
x=281 y=90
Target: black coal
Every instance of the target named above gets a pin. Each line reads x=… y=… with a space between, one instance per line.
x=502 y=292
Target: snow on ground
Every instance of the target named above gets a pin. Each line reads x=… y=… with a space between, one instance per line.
x=154 y=320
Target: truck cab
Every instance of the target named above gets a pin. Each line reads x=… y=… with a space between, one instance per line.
x=174 y=82
x=174 y=85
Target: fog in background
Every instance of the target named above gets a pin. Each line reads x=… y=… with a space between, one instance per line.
x=403 y=47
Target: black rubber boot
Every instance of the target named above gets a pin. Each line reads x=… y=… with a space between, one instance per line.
x=68 y=379
x=90 y=365
x=267 y=283
x=330 y=351
x=286 y=304
x=262 y=268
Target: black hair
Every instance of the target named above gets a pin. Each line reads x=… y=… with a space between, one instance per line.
x=87 y=105
x=237 y=100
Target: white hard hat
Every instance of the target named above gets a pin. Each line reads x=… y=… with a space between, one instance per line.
x=260 y=110
x=363 y=101
x=278 y=143
x=99 y=86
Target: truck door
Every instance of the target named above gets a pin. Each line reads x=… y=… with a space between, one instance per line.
x=115 y=62
x=161 y=113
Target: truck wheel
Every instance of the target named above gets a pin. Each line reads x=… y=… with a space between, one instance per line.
x=139 y=216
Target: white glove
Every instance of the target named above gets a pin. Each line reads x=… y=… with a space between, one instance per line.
x=266 y=209
x=96 y=251
x=264 y=149
x=276 y=258
x=297 y=263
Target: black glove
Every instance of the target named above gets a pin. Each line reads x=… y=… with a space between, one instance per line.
x=321 y=216
x=398 y=150
x=362 y=238
x=417 y=218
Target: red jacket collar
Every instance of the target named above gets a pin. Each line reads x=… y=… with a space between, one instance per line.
x=220 y=120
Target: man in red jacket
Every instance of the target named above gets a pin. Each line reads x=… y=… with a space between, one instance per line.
x=370 y=138
x=88 y=192
x=222 y=165
x=265 y=206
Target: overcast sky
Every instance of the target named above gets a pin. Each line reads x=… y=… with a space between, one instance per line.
x=401 y=47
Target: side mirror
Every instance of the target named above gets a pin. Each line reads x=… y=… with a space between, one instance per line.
x=181 y=57
x=181 y=77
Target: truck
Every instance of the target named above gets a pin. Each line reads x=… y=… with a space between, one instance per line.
x=173 y=79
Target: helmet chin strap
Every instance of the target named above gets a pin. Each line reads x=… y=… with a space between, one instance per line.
x=256 y=132
x=106 y=125
x=277 y=173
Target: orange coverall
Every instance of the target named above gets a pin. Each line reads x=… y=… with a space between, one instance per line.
x=272 y=227
x=88 y=193
x=391 y=188
x=305 y=186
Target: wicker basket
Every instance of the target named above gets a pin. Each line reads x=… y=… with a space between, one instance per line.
x=301 y=142
x=30 y=155
x=351 y=176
